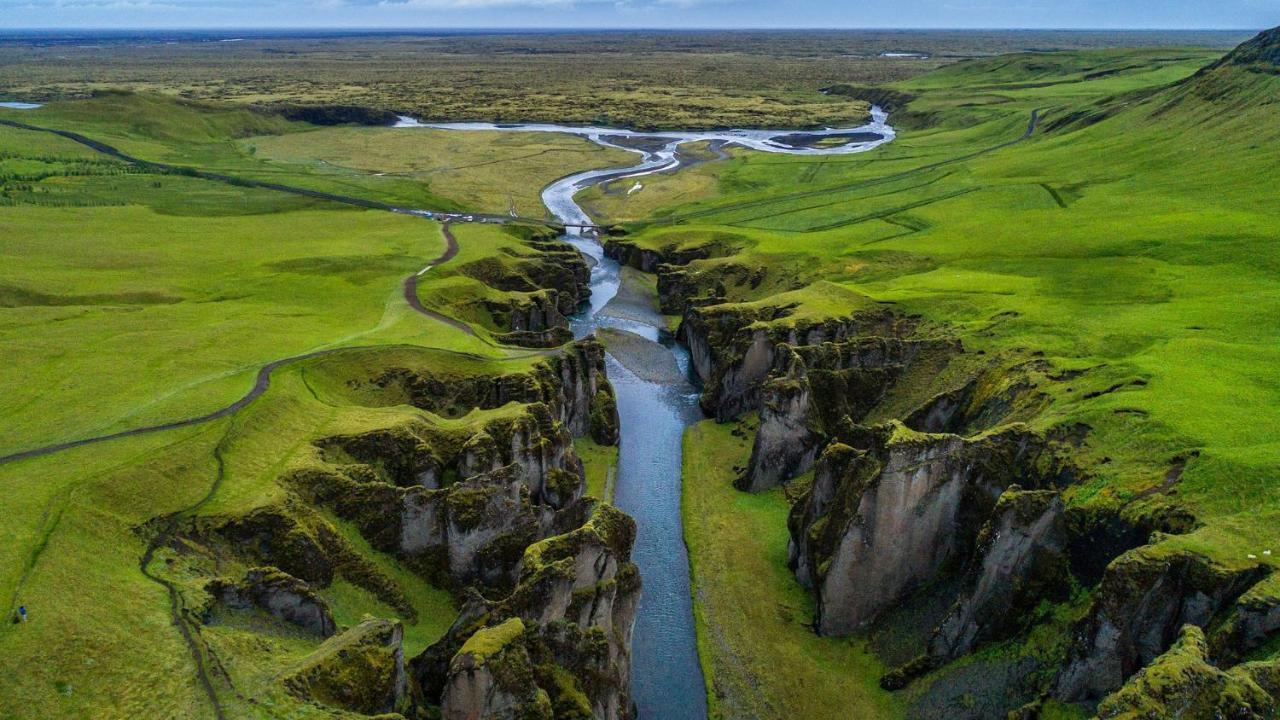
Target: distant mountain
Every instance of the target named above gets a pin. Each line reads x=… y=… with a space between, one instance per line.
x=1261 y=54
x=1248 y=76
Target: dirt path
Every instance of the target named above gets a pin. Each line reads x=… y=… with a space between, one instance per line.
x=114 y=152
x=411 y=284
x=263 y=379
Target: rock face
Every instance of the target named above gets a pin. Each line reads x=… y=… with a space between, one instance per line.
x=495 y=509
x=648 y=260
x=279 y=594
x=461 y=505
x=362 y=670
x=521 y=482
x=734 y=348
x=558 y=645
x=534 y=320
x=572 y=384
x=492 y=677
x=272 y=537
x=1145 y=598
x=1021 y=559
x=1253 y=621
x=882 y=520
x=1182 y=683
x=814 y=390
x=540 y=287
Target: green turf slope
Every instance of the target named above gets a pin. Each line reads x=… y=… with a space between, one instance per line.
x=1128 y=244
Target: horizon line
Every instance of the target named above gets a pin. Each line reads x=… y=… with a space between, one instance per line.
x=603 y=28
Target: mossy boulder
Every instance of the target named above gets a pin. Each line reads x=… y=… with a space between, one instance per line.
x=362 y=670
x=279 y=594
x=1146 y=596
x=1183 y=684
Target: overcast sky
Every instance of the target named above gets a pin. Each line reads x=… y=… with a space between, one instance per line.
x=1163 y=14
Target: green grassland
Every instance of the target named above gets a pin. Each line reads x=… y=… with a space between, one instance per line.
x=100 y=642
x=755 y=637
x=420 y=168
x=191 y=285
x=132 y=297
x=691 y=79
x=497 y=172
x=1128 y=241
x=1128 y=238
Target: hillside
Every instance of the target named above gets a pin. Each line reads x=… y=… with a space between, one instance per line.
x=1090 y=311
x=983 y=428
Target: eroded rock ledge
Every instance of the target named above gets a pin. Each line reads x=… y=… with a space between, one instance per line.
x=927 y=481
x=886 y=517
x=541 y=285
x=485 y=496
x=558 y=646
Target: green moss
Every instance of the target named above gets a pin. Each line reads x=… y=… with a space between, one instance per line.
x=570 y=702
x=489 y=642
x=1182 y=683
x=359 y=670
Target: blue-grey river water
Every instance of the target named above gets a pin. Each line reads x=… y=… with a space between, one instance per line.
x=666 y=677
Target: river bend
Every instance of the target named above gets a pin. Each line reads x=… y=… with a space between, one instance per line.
x=666 y=677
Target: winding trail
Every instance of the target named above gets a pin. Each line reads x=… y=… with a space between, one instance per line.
x=665 y=411
x=263 y=380
x=190 y=636
x=411 y=284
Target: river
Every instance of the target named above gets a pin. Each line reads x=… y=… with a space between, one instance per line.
x=666 y=677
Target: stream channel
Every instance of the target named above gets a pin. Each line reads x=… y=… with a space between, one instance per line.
x=657 y=393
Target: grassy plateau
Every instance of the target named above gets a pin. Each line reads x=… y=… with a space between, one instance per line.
x=1090 y=216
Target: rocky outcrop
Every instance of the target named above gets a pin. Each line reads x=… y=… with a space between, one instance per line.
x=788 y=439
x=883 y=518
x=734 y=348
x=362 y=670
x=555 y=266
x=336 y=114
x=272 y=537
x=1182 y=683
x=491 y=676
x=473 y=531
x=1021 y=560
x=280 y=595
x=1144 y=599
x=814 y=390
x=572 y=383
x=531 y=320
x=539 y=288
x=532 y=440
x=1253 y=621
x=628 y=253
x=558 y=645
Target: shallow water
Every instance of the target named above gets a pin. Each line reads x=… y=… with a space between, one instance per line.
x=19 y=105
x=666 y=678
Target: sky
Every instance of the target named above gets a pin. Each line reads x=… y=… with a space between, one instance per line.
x=430 y=14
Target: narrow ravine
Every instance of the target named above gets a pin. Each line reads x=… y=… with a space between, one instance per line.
x=666 y=678
x=654 y=410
